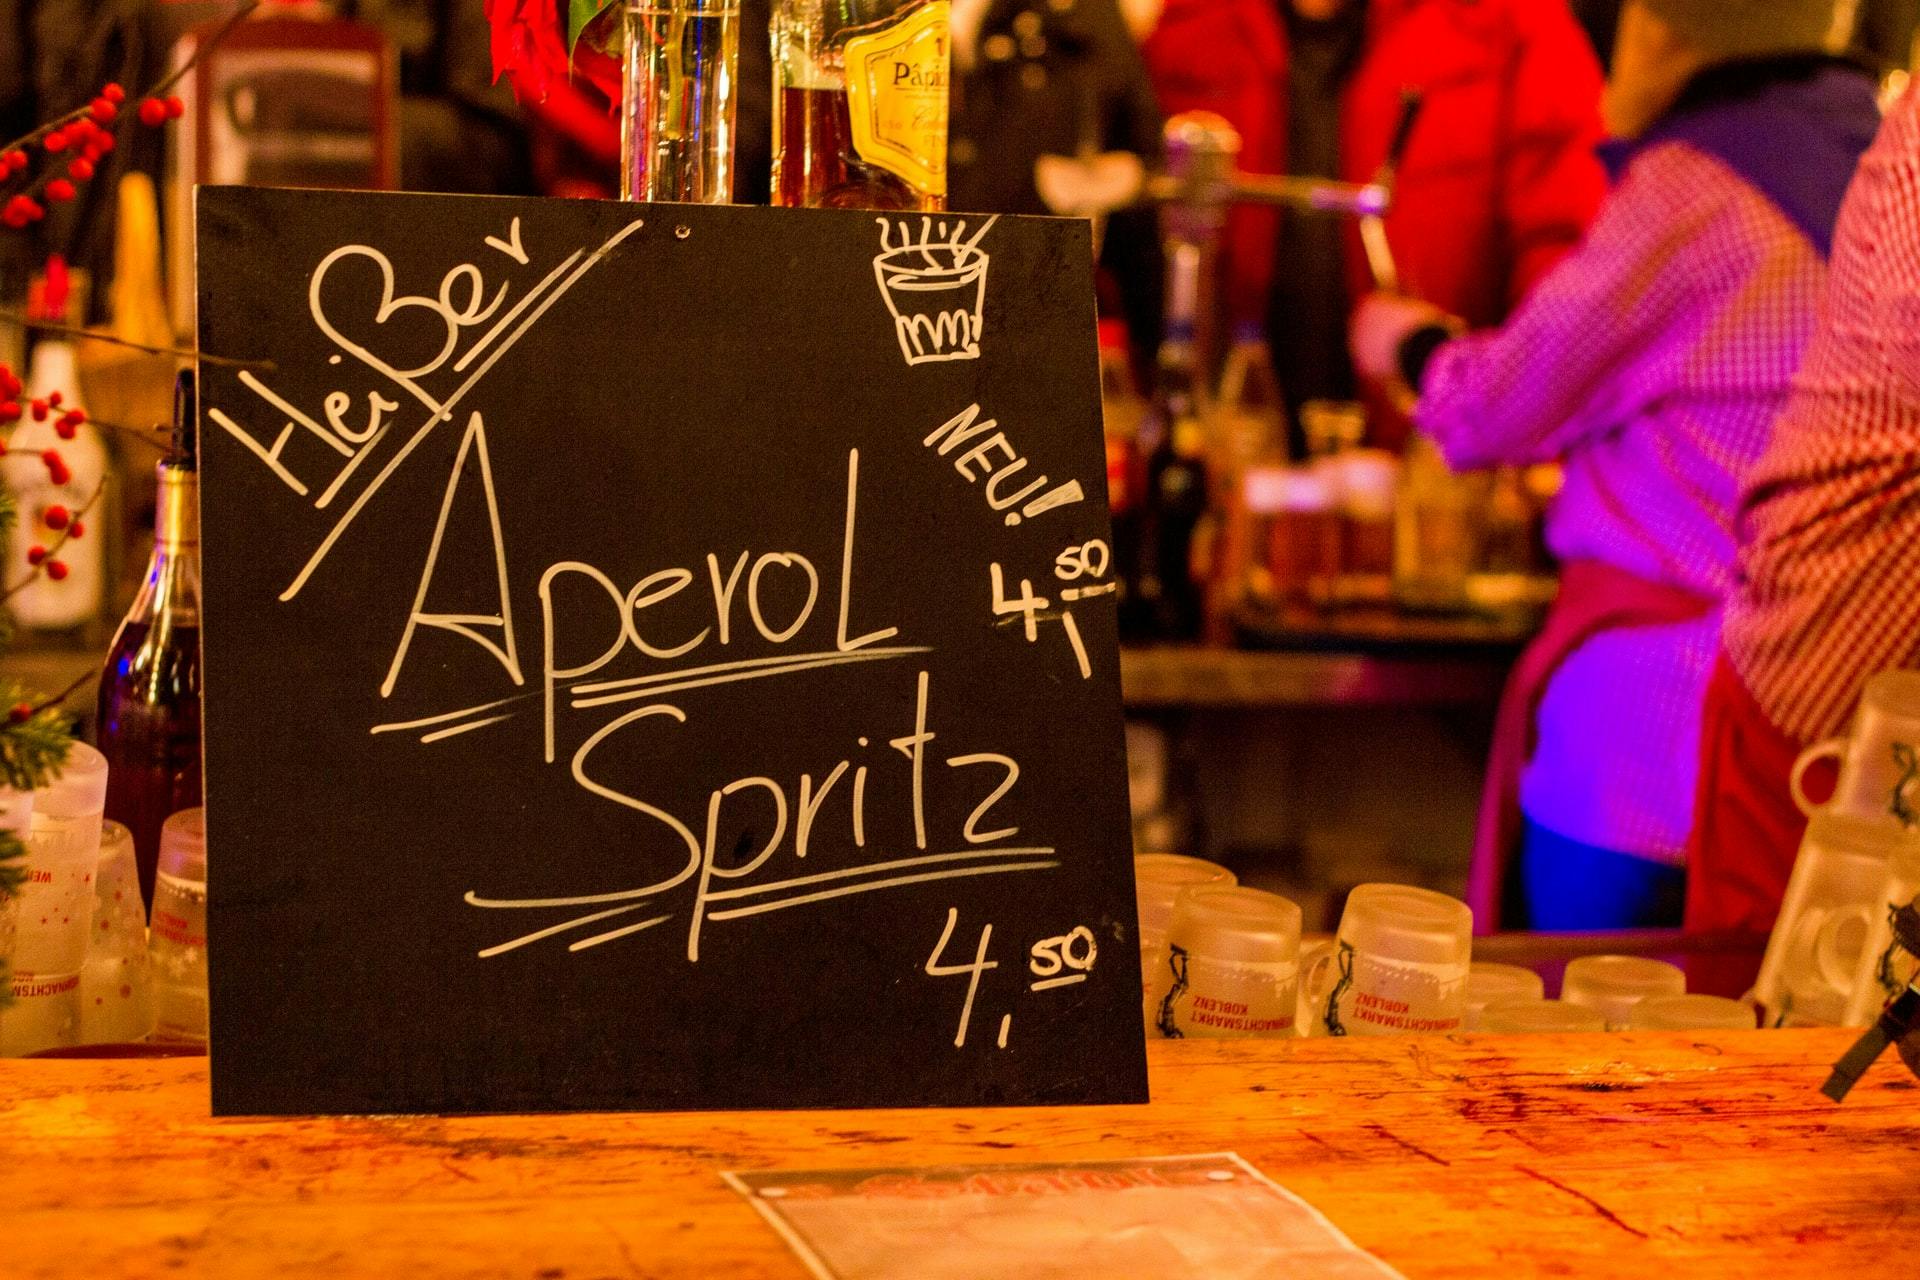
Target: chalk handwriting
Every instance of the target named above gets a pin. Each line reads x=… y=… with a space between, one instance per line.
x=974 y=463
x=934 y=282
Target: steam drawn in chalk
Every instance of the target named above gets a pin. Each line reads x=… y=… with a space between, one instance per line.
x=934 y=282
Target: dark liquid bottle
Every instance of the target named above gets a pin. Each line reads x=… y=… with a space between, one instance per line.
x=817 y=165
x=860 y=104
x=149 y=725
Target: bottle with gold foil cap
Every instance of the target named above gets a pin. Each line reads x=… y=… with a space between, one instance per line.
x=149 y=726
x=861 y=103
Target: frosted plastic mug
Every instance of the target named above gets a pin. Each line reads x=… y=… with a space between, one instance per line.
x=63 y=850
x=1535 y=1016
x=16 y=814
x=1826 y=918
x=1613 y=985
x=1694 y=1012
x=116 y=983
x=1487 y=983
x=1880 y=757
x=44 y=1014
x=1884 y=969
x=1234 y=960
x=178 y=937
x=1158 y=879
x=1398 y=965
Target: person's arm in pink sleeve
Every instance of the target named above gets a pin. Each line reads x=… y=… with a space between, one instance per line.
x=1561 y=368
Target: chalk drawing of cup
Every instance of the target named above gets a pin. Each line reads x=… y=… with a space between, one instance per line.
x=935 y=290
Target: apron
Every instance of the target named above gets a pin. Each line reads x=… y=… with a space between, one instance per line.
x=1746 y=828
x=1594 y=597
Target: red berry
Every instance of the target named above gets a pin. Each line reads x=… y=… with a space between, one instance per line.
x=73 y=417
x=36 y=553
x=76 y=529
x=57 y=570
x=55 y=141
x=176 y=106
x=13 y=216
x=59 y=189
x=18 y=159
x=103 y=143
x=54 y=398
x=60 y=475
x=9 y=383
x=51 y=457
x=22 y=711
x=152 y=112
x=80 y=170
x=103 y=110
x=39 y=408
x=56 y=517
x=9 y=411
x=114 y=93
x=33 y=209
x=65 y=430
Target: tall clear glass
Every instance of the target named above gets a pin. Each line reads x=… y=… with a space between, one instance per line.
x=677 y=107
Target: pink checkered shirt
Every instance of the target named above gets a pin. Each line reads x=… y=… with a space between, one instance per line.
x=1830 y=518
x=1652 y=362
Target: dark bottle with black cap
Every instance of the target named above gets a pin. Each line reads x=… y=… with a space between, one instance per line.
x=149 y=724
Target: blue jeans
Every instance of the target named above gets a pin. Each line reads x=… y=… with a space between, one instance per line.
x=1570 y=887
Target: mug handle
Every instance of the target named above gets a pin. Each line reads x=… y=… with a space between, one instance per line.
x=1315 y=962
x=1837 y=966
x=1834 y=747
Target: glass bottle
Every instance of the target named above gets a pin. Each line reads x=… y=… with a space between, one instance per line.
x=860 y=104
x=1435 y=539
x=1253 y=426
x=1121 y=410
x=75 y=600
x=149 y=725
x=1163 y=599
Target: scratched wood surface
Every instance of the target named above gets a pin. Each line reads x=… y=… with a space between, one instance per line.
x=1591 y=1156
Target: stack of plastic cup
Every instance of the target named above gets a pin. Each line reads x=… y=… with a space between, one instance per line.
x=1885 y=968
x=116 y=985
x=1398 y=965
x=178 y=938
x=1534 y=1016
x=1612 y=985
x=1690 y=1013
x=1234 y=957
x=1834 y=899
x=1158 y=879
x=55 y=912
x=1488 y=983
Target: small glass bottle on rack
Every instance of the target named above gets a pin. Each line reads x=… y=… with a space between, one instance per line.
x=1165 y=598
x=860 y=104
x=149 y=725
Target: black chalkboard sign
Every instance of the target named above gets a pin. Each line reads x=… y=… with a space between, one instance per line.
x=657 y=657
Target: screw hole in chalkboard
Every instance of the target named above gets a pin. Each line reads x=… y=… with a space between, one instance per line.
x=682 y=231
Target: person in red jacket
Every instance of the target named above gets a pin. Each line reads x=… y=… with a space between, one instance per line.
x=1499 y=179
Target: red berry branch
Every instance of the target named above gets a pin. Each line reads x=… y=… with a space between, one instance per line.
x=71 y=146
x=45 y=559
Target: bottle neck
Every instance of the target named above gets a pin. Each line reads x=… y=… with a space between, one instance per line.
x=176 y=523
x=172 y=585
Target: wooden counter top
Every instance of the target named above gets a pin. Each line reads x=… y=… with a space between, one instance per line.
x=1642 y=1155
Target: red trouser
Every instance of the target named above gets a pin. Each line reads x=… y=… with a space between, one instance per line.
x=1746 y=828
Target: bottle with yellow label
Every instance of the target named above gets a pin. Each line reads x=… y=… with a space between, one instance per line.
x=860 y=104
